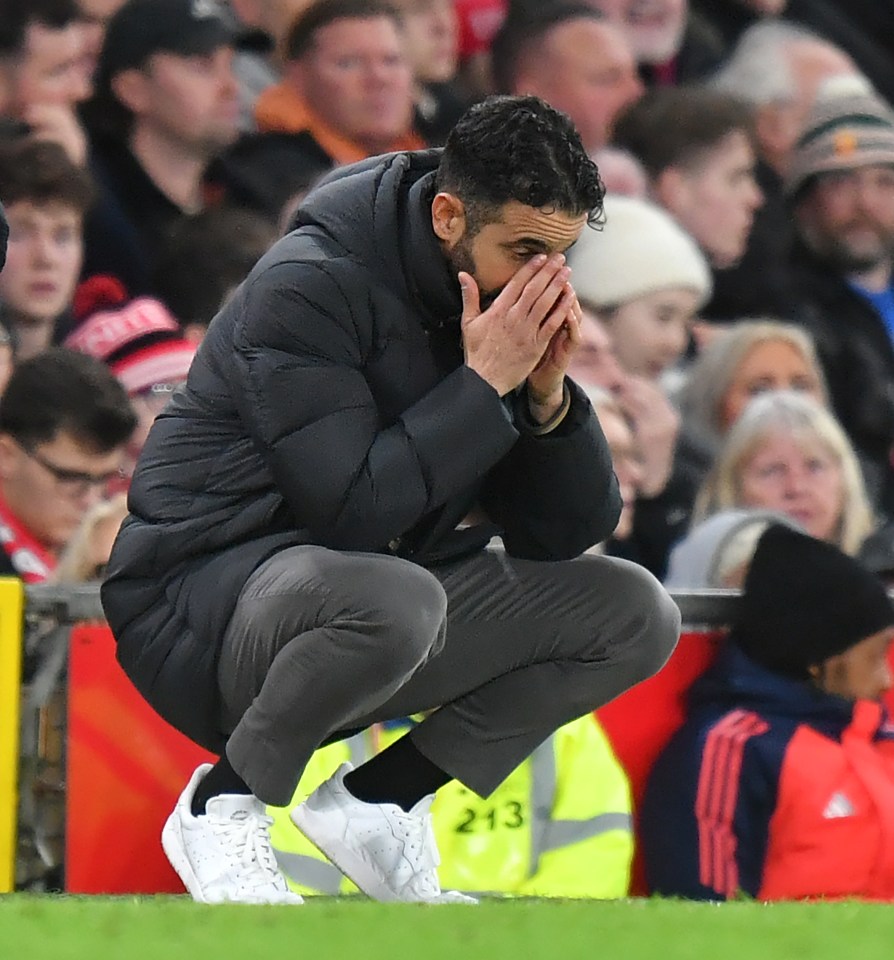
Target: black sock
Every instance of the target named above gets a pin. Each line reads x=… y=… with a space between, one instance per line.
x=399 y=774
x=220 y=779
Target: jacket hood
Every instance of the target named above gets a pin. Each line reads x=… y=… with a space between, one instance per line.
x=694 y=560
x=365 y=206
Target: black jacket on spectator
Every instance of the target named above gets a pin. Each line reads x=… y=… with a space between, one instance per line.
x=858 y=360
x=131 y=221
x=329 y=404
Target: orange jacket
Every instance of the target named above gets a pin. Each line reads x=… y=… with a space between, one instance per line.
x=281 y=109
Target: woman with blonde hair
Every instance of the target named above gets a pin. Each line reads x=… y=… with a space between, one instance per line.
x=751 y=357
x=788 y=453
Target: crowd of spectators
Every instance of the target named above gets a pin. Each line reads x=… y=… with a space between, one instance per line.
x=739 y=297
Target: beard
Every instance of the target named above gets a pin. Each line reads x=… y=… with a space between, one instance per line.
x=460 y=257
x=846 y=258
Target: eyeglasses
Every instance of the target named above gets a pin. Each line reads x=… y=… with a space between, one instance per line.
x=75 y=482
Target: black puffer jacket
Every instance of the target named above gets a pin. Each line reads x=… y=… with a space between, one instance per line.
x=329 y=404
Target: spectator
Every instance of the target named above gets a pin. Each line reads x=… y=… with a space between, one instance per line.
x=747 y=359
x=697 y=148
x=840 y=184
x=46 y=196
x=42 y=76
x=479 y=23
x=787 y=453
x=208 y=257
x=64 y=420
x=596 y=364
x=645 y=278
x=165 y=106
x=143 y=346
x=672 y=45
x=559 y=826
x=861 y=28
x=776 y=68
x=716 y=552
x=432 y=36
x=780 y=782
x=347 y=87
x=570 y=56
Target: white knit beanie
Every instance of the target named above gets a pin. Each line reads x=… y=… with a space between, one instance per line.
x=639 y=250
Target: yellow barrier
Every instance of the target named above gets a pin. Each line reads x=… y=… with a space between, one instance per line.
x=12 y=601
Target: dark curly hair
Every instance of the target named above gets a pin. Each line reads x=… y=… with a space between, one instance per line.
x=518 y=148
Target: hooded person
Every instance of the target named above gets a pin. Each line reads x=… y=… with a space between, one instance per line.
x=714 y=551
x=779 y=781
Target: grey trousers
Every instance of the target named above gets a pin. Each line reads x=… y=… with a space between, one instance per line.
x=504 y=651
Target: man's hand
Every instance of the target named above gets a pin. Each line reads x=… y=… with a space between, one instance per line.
x=58 y=124
x=655 y=424
x=506 y=342
x=546 y=381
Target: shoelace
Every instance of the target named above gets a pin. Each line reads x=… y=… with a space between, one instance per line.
x=248 y=836
x=419 y=836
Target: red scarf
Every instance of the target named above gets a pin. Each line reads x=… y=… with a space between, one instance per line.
x=32 y=561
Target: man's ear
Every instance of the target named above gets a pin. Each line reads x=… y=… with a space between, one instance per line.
x=448 y=218
x=129 y=87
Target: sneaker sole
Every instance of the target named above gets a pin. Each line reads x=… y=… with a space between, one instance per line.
x=352 y=866
x=172 y=844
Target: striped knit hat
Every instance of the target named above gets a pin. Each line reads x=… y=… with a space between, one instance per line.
x=850 y=126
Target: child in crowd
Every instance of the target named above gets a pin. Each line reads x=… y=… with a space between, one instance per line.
x=46 y=196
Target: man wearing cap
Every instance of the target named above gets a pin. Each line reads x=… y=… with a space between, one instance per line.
x=840 y=186
x=166 y=104
x=780 y=784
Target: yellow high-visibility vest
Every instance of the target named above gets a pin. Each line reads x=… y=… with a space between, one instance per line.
x=560 y=825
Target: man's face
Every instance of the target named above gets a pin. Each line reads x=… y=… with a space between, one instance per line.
x=50 y=71
x=847 y=218
x=431 y=36
x=716 y=197
x=192 y=101
x=49 y=488
x=595 y=362
x=587 y=70
x=500 y=248
x=94 y=18
x=43 y=260
x=861 y=673
x=357 y=76
x=654 y=28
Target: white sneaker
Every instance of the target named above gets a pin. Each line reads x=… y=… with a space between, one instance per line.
x=225 y=854
x=391 y=855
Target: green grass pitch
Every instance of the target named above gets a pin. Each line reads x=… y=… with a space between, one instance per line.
x=173 y=928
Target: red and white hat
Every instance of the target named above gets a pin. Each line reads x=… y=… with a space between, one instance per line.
x=140 y=340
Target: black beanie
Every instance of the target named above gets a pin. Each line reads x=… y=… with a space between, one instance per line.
x=805 y=601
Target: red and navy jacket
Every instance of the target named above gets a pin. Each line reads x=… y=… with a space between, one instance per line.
x=772 y=789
